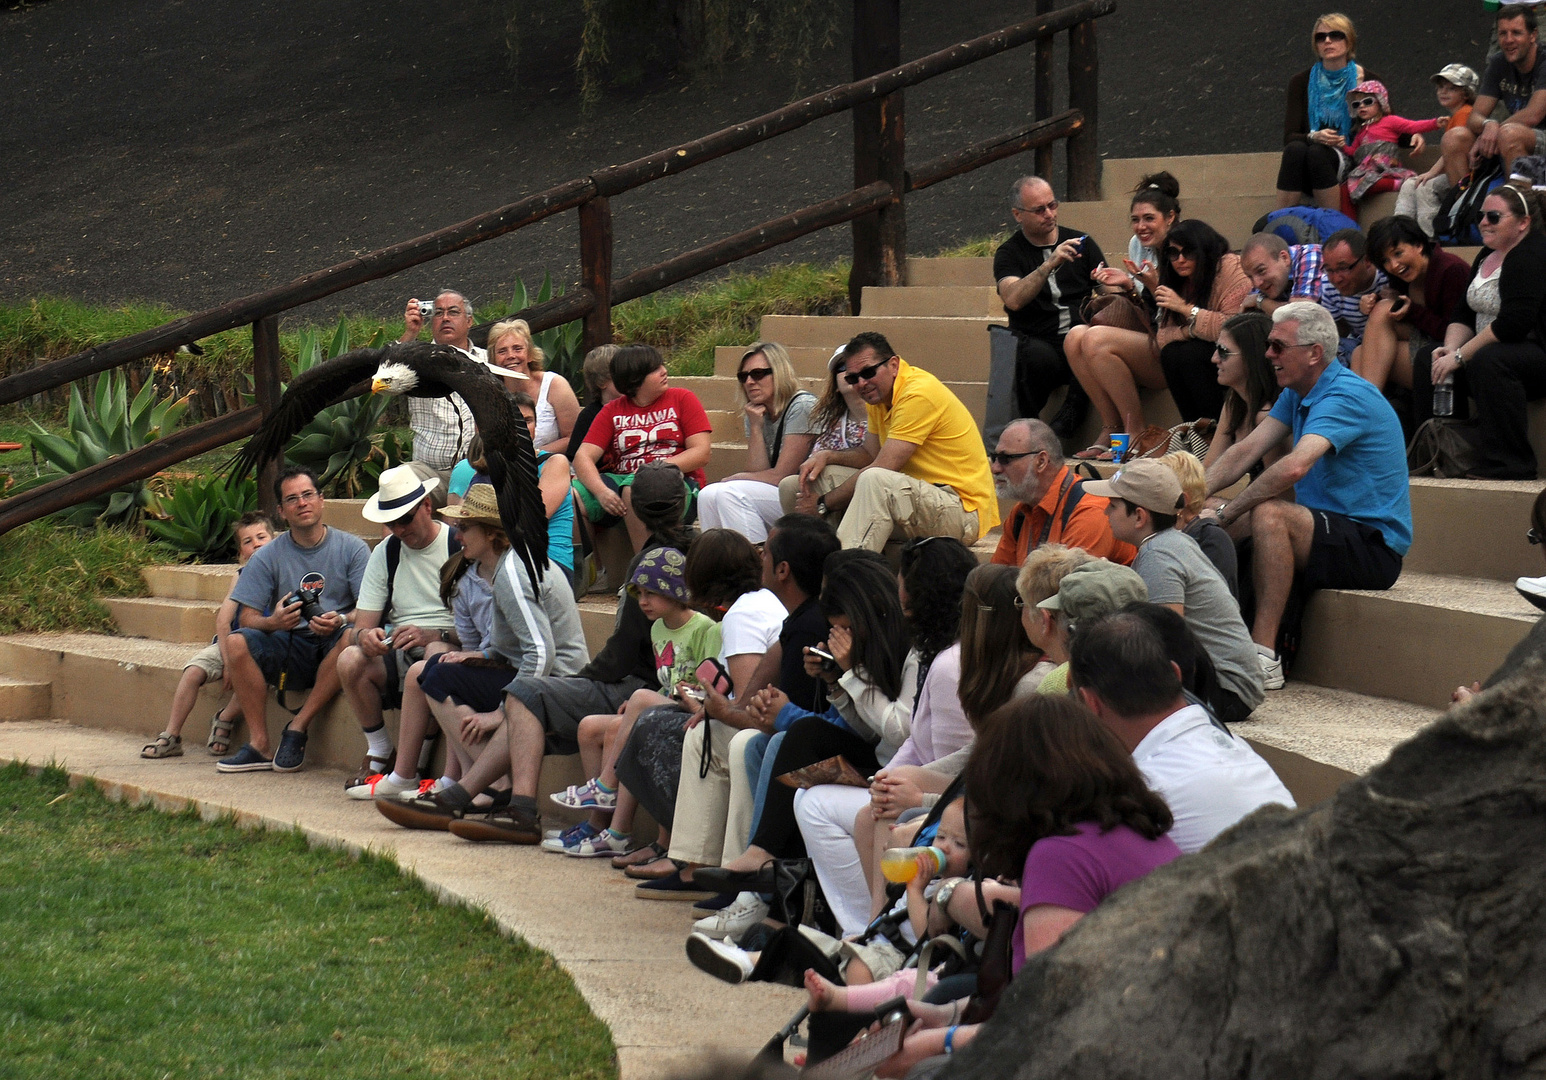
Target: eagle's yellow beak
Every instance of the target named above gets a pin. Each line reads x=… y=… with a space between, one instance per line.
x=377 y=385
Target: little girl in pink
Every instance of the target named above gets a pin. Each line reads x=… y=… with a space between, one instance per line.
x=1376 y=161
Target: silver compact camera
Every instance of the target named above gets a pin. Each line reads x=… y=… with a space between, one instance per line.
x=426 y=308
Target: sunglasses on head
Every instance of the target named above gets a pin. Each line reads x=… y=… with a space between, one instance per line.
x=756 y=374
x=854 y=378
x=1329 y=35
x=1365 y=103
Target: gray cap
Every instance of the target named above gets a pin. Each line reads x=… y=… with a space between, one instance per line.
x=657 y=488
x=1096 y=588
x=1459 y=75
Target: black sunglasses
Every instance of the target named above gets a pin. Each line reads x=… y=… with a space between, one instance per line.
x=1492 y=217
x=1329 y=35
x=1224 y=350
x=1003 y=459
x=853 y=378
x=1364 y=103
x=1179 y=253
x=756 y=374
x=1533 y=536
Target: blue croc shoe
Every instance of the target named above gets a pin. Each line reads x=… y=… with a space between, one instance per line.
x=291 y=754
x=245 y=760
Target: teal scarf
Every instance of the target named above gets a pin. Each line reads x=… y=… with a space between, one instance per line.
x=1328 y=98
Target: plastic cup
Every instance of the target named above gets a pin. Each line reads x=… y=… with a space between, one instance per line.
x=1119 y=441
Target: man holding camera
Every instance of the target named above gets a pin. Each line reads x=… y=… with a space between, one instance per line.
x=295 y=598
x=442 y=427
x=401 y=587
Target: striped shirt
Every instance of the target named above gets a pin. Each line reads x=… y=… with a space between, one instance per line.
x=1344 y=309
x=443 y=427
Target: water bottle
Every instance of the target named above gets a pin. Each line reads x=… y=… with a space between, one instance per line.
x=1444 y=396
x=900 y=865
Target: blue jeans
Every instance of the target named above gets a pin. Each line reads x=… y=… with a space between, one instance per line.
x=760 y=752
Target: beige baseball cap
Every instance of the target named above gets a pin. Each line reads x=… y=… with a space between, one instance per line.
x=1150 y=484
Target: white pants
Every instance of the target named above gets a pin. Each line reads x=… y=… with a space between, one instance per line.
x=749 y=507
x=713 y=817
x=826 y=816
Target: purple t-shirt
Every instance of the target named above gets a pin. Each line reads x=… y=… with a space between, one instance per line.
x=1080 y=871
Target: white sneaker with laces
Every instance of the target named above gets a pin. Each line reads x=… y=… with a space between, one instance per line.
x=719 y=959
x=381 y=786
x=1271 y=668
x=734 y=920
x=1533 y=589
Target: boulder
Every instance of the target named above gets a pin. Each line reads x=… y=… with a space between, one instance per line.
x=1398 y=930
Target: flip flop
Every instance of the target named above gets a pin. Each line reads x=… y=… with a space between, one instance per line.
x=1094 y=451
x=662 y=867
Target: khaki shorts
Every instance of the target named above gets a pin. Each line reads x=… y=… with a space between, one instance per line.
x=209 y=660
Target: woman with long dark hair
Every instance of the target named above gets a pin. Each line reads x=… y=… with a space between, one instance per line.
x=1249 y=386
x=1427 y=282
x=1154 y=211
x=1201 y=285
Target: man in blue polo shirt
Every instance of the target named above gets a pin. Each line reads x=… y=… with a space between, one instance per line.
x=1350 y=522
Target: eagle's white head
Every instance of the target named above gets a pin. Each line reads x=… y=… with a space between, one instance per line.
x=394 y=378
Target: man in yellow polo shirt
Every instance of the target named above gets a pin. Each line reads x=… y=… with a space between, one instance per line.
x=922 y=470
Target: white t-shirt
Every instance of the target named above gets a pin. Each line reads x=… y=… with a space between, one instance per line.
x=751 y=625
x=1210 y=778
x=415 y=586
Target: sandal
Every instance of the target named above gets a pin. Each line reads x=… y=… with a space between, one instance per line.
x=166 y=745
x=662 y=867
x=220 y=731
x=1094 y=452
x=639 y=855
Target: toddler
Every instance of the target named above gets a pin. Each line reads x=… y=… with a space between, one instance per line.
x=1420 y=196
x=1376 y=164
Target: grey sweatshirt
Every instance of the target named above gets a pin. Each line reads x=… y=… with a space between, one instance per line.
x=536 y=633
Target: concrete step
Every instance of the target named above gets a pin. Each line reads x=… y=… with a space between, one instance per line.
x=1414 y=642
x=345 y=514
x=720 y=391
x=953 y=348
x=1473 y=528
x=978 y=301
x=163 y=619
x=23 y=699
x=1200 y=175
x=947 y=272
x=191 y=581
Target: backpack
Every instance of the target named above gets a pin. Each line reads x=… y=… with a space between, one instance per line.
x=394 y=555
x=1075 y=490
x=1461 y=208
x=1304 y=224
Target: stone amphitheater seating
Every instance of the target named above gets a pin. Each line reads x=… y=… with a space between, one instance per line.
x=1375 y=666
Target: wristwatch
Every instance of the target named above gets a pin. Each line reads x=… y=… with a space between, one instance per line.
x=946 y=890
x=821 y=505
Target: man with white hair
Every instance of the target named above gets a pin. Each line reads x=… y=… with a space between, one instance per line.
x=442 y=427
x=1350 y=522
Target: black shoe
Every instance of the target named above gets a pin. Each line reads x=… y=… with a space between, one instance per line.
x=291 y=754
x=428 y=811
x=507 y=825
x=1065 y=425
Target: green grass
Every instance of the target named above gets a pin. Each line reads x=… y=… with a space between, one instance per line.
x=140 y=944
x=54 y=577
x=974 y=249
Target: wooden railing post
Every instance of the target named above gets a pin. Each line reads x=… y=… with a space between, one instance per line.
x=1044 y=65
x=880 y=239
x=1083 y=89
x=266 y=388
x=596 y=269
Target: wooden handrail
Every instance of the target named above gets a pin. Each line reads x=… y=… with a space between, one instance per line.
x=875 y=206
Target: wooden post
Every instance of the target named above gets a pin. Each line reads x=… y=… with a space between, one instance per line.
x=596 y=269
x=266 y=389
x=1044 y=63
x=880 y=239
x=1083 y=90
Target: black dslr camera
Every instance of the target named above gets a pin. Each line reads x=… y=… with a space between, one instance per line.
x=311 y=602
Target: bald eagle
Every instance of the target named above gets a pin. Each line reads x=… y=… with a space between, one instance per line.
x=426 y=370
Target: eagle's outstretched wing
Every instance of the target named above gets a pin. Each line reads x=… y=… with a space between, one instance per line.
x=308 y=394
x=425 y=369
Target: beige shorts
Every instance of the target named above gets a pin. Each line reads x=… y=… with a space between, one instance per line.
x=879 y=955
x=209 y=660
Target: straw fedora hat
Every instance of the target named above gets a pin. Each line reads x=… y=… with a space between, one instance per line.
x=401 y=490
x=479 y=507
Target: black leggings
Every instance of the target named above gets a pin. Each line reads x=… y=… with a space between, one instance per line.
x=1308 y=167
x=808 y=740
x=1192 y=378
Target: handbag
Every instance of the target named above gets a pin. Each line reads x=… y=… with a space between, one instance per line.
x=833 y=770
x=1155 y=441
x=1119 y=311
x=1444 y=448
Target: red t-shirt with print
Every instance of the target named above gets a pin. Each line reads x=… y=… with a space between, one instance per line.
x=631 y=437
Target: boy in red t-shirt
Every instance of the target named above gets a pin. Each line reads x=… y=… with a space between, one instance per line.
x=651 y=421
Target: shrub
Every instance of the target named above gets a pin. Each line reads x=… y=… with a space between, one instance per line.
x=200 y=513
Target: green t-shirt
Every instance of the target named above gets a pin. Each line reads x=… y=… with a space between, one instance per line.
x=679 y=652
x=1056 y=681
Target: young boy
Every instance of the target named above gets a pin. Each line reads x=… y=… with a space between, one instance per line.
x=1420 y=196
x=253 y=530
x=682 y=639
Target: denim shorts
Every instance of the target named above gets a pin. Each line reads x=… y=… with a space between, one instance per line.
x=288 y=655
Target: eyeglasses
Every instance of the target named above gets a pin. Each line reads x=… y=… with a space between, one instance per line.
x=1044 y=208
x=1274 y=346
x=1341 y=269
x=1534 y=537
x=854 y=378
x=1225 y=351
x=1328 y=35
x=1003 y=460
x=756 y=374
x=1492 y=217
x=301 y=497
x=1365 y=103
x=454 y=312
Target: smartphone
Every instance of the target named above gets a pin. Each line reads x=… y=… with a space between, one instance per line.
x=693 y=693
x=817 y=650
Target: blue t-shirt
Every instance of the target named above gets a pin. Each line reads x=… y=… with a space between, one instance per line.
x=1363 y=476
x=560 y=525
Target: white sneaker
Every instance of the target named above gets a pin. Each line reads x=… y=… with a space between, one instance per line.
x=1533 y=589
x=733 y=921
x=1271 y=668
x=721 y=960
x=381 y=786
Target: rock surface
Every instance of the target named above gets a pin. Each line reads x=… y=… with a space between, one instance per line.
x=1396 y=931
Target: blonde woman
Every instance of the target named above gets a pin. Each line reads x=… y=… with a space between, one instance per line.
x=779 y=436
x=513 y=355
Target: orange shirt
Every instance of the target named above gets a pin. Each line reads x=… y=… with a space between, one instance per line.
x=1087 y=527
x=1462 y=115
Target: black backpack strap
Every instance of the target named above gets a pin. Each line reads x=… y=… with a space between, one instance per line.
x=1075 y=493
x=394 y=555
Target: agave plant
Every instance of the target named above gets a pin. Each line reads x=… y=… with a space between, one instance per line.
x=341 y=445
x=111 y=425
x=200 y=513
x=560 y=344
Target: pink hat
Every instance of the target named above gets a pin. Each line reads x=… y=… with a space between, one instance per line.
x=1375 y=87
